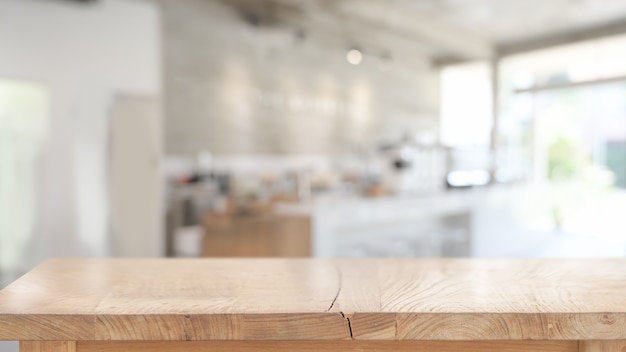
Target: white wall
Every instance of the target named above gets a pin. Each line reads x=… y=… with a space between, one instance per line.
x=85 y=54
x=236 y=90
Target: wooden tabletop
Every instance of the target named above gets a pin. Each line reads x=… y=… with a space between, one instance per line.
x=316 y=299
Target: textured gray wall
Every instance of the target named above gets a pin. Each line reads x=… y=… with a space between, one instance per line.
x=234 y=89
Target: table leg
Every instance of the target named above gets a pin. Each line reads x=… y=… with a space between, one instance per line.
x=47 y=346
x=602 y=346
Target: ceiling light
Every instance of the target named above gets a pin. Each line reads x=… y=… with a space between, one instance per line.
x=354 y=57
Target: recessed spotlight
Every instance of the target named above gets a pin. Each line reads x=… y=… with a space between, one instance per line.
x=354 y=57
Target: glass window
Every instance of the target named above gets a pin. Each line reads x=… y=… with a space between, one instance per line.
x=466 y=105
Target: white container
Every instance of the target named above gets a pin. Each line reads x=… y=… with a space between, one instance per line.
x=188 y=241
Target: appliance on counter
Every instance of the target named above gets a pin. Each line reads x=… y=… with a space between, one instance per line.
x=414 y=168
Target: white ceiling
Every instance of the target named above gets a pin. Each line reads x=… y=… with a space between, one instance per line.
x=495 y=20
x=450 y=28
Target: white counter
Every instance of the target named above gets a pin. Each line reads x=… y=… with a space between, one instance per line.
x=433 y=225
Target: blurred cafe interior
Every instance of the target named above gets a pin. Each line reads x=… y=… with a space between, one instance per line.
x=311 y=128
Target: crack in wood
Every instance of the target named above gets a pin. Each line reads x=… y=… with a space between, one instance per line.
x=349 y=324
x=338 y=290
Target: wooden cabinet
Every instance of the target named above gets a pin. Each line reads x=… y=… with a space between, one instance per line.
x=268 y=235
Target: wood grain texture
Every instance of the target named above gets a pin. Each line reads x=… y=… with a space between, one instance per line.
x=316 y=299
x=603 y=346
x=300 y=326
x=343 y=346
x=47 y=346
